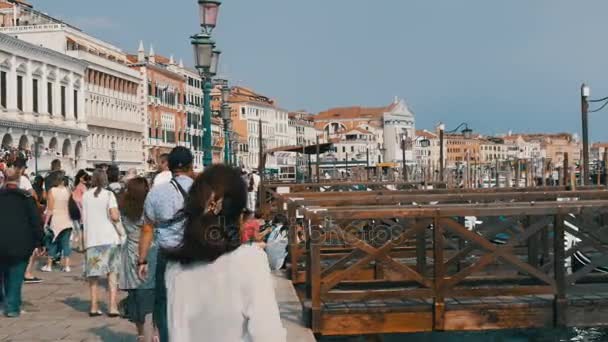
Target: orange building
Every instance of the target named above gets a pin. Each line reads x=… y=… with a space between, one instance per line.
x=460 y=149
x=165 y=108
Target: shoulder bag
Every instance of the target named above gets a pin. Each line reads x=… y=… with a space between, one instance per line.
x=120 y=229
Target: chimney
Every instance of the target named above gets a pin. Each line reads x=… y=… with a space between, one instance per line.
x=171 y=60
x=181 y=63
x=141 y=53
x=152 y=57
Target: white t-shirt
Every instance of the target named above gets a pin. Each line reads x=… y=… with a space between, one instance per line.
x=25 y=184
x=256 y=182
x=162 y=178
x=231 y=299
x=98 y=228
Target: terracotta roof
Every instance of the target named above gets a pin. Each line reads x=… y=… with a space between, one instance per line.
x=426 y=134
x=600 y=144
x=5 y=5
x=353 y=112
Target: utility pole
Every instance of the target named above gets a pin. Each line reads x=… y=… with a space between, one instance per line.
x=367 y=162
x=584 y=118
x=441 y=152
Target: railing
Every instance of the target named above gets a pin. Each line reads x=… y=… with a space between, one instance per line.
x=455 y=264
x=32 y=28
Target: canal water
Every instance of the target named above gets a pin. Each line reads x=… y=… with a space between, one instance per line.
x=541 y=335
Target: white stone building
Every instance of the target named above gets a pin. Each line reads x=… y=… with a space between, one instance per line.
x=42 y=102
x=113 y=100
x=399 y=123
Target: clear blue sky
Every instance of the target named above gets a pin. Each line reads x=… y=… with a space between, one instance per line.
x=499 y=65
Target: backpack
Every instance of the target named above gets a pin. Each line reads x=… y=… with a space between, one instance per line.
x=179 y=216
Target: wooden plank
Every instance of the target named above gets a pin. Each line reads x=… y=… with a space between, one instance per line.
x=376 y=323
x=363 y=295
x=439 y=273
x=490 y=318
x=500 y=290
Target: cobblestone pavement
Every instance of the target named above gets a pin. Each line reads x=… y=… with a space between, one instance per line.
x=57 y=310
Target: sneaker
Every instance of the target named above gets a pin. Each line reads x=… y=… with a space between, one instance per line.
x=12 y=314
x=33 y=280
x=67 y=269
x=46 y=268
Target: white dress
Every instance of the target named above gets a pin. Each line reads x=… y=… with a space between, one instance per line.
x=229 y=300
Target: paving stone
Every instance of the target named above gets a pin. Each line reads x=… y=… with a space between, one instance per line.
x=57 y=310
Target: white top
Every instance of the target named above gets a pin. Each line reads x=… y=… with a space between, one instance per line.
x=256 y=182
x=229 y=300
x=98 y=228
x=25 y=184
x=162 y=178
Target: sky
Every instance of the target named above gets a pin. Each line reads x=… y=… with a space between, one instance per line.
x=499 y=66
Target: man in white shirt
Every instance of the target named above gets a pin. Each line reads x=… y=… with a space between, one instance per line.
x=164 y=174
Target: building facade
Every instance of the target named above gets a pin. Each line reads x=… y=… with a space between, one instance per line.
x=164 y=92
x=389 y=124
x=42 y=112
x=113 y=112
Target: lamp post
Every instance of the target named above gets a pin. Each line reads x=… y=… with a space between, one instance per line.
x=227 y=122
x=585 y=92
x=206 y=60
x=466 y=132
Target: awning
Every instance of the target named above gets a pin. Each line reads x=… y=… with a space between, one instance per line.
x=310 y=149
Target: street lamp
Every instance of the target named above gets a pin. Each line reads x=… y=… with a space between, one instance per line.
x=206 y=59
x=466 y=133
x=227 y=122
x=208 y=12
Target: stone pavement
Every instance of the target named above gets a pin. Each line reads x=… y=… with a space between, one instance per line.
x=57 y=310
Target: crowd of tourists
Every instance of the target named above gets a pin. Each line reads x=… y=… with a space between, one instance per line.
x=190 y=253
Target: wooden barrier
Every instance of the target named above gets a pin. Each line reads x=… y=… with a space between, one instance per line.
x=297 y=249
x=456 y=286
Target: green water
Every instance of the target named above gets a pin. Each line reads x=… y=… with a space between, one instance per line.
x=541 y=335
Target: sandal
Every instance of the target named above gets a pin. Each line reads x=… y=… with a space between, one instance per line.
x=113 y=314
x=95 y=313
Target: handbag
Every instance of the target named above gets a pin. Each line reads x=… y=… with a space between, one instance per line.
x=120 y=229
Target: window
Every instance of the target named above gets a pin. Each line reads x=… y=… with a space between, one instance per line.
x=75 y=103
x=3 y=88
x=63 y=113
x=352 y=148
x=343 y=149
x=49 y=97
x=20 y=92
x=35 y=95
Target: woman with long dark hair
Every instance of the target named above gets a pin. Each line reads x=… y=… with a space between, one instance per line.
x=217 y=288
x=140 y=298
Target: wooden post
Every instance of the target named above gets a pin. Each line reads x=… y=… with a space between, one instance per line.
x=421 y=251
x=439 y=267
x=313 y=279
x=559 y=302
x=517 y=172
x=544 y=173
x=566 y=171
x=605 y=166
x=532 y=244
x=318 y=161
